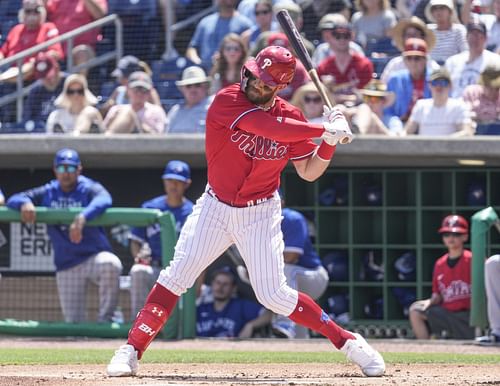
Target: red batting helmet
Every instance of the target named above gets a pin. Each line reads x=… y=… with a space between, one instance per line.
x=273 y=65
x=454 y=224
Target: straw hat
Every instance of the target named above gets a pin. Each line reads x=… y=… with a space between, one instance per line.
x=378 y=88
x=193 y=75
x=490 y=77
x=415 y=22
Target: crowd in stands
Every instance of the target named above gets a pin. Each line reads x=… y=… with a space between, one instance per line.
x=364 y=50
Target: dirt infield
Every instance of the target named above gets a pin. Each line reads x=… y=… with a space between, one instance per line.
x=255 y=374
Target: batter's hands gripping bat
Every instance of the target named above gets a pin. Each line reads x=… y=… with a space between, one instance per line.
x=298 y=46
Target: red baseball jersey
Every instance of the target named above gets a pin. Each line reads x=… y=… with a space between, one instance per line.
x=453 y=284
x=21 y=38
x=247 y=147
x=359 y=71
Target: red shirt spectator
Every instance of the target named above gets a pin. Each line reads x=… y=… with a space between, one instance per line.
x=453 y=284
x=358 y=72
x=70 y=14
x=32 y=31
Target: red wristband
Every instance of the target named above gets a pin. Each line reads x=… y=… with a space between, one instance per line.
x=325 y=151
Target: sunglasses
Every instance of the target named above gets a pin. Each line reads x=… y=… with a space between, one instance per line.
x=414 y=58
x=316 y=99
x=195 y=85
x=342 y=35
x=232 y=48
x=440 y=83
x=451 y=234
x=264 y=12
x=34 y=11
x=72 y=91
x=141 y=90
x=66 y=169
x=372 y=98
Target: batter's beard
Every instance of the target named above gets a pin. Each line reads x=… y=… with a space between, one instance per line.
x=256 y=98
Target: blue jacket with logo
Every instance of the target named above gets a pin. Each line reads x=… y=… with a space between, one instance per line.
x=88 y=194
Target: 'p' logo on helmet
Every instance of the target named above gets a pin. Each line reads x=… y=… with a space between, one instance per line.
x=267 y=63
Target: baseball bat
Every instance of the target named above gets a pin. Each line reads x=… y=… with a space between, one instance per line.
x=295 y=40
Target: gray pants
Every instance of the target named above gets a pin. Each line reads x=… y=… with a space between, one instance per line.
x=454 y=324
x=492 y=284
x=313 y=282
x=102 y=269
x=142 y=279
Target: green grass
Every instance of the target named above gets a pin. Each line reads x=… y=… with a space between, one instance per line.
x=38 y=356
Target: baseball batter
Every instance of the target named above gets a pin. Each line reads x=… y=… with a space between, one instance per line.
x=250 y=136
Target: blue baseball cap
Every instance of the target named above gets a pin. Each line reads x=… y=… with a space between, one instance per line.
x=177 y=170
x=67 y=157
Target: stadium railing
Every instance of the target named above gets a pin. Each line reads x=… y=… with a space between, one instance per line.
x=182 y=322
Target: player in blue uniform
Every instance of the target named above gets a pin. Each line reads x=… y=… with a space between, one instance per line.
x=229 y=316
x=145 y=243
x=81 y=254
x=303 y=268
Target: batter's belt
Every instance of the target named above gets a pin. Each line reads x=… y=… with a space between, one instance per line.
x=247 y=204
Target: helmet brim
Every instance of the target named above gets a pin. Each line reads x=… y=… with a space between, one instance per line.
x=453 y=230
x=252 y=66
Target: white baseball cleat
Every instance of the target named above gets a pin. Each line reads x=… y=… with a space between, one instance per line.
x=124 y=363
x=360 y=352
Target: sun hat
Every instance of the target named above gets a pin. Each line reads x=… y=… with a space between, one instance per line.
x=415 y=22
x=193 y=75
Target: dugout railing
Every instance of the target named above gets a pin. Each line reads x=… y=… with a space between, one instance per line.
x=180 y=325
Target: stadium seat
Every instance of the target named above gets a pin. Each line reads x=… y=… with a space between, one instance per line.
x=165 y=73
x=488 y=129
x=25 y=127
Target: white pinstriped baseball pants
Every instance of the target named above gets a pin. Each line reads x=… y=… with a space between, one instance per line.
x=256 y=231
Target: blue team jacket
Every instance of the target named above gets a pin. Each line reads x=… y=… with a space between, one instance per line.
x=87 y=194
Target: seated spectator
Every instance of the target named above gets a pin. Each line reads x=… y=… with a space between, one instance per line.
x=409 y=85
x=492 y=284
x=211 y=30
x=313 y=11
x=491 y=21
x=303 y=269
x=373 y=21
x=300 y=77
x=466 y=66
x=81 y=254
x=138 y=116
x=326 y=25
x=145 y=243
x=126 y=66
x=189 y=116
x=228 y=316
x=68 y=15
x=440 y=115
x=483 y=99
x=406 y=9
x=48 y=85
x=369 y=117
x=75 y=113
x=407 y=29
x=307 y=99
x=31 y=30
x=345 y=70
x=263 y=22
x=450 y=35
x=227 y=67
x=446 y=313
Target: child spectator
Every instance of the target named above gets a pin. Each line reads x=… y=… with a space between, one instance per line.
x=75 y=113
x=440 y=115
x=446 y=313
x=450 y=35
